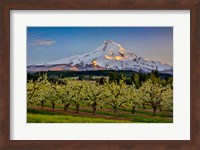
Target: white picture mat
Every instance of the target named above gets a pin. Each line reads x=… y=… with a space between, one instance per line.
x=178 y=130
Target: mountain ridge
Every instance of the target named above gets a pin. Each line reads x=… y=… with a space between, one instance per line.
x=107 y=56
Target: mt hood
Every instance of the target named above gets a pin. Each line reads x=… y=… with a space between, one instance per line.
x=108 y=56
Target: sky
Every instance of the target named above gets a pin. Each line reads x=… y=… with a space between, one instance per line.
x=47 y=44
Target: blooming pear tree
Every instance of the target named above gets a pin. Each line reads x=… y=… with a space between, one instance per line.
x=35 y=90
x=93 y=95
x=50 y=94
x=133 y=98
x=115 y=95
x=32 y=88
x=156 y=95
x=69 y=95
x=167 y=98
x=62 y=93
x=77 y=94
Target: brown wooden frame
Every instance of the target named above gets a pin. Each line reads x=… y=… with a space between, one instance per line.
x=7 y=5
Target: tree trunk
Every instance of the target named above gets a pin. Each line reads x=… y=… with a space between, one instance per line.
x=133 y=110
x=154 y=110
x=53 y=105
x=115 y=113
x=42 y=104
x=77 y=108
x=94 y=110
x=143 y=105
x=66 y=106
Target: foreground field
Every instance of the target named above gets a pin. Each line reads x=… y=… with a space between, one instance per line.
x=38 y=118
x=139 y=98
x=47 y=115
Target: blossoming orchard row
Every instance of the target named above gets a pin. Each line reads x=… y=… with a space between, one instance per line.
x=94 y=95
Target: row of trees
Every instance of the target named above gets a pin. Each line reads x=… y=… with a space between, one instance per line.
x=95 y=95
x=139 y=78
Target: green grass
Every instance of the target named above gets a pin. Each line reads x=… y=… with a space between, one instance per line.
x=43 y=112
x=35 y=115
x=45 y=118
x=141 y=119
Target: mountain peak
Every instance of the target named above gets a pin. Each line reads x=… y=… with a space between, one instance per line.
x=110 y=46
x=108 y=42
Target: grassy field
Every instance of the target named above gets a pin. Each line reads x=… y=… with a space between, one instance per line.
x=37 y=114
x=41 y=118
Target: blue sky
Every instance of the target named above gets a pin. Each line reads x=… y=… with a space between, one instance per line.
x=46 y=44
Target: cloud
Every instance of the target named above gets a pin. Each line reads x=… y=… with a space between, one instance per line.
x=44 y=42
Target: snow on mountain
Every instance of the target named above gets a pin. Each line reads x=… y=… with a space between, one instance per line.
x=108 y=56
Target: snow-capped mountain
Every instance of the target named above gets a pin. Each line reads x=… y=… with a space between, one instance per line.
x=108 y=56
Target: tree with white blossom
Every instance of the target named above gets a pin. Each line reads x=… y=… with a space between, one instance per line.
x=93 y=95
x=114 y=95
x=133 y=98
x=156 y=95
